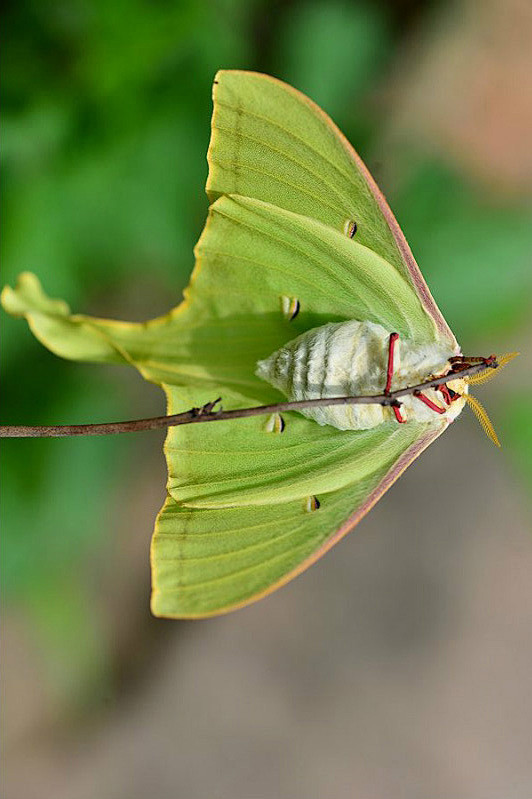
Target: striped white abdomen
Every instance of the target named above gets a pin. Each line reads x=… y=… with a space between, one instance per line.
x=350 y=359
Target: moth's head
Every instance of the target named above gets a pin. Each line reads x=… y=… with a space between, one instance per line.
x=494 y=363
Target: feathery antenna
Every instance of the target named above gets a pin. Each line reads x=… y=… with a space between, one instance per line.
x=480 y=412
x=484 y=377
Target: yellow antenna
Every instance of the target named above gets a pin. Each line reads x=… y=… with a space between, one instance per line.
x=483 y=377
x=483 y=418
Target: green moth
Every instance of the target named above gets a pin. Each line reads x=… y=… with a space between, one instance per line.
x=304 y=287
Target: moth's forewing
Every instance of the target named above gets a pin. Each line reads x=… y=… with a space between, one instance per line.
x=271 y=142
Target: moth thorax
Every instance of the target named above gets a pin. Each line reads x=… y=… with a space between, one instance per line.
x=351 y=359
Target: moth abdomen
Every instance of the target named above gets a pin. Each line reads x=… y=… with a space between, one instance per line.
x=351 y=358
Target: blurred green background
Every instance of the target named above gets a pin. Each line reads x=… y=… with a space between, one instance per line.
x=106 y=109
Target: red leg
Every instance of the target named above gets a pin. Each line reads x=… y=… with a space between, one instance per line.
x=429 y=403
x=397 y=411
x=396 y=407
x=446 y=395
x=389 y=370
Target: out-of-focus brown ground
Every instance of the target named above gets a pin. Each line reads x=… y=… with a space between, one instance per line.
x=399 y=666
x=465 y=90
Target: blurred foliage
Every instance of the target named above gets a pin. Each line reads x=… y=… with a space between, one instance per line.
x=106 y=125
x=334 y=52
x=475 y=252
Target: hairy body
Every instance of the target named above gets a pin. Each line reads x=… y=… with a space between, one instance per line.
x=351 y=359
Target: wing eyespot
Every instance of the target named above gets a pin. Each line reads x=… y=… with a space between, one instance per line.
x=312 y=504
x=275 y=423
x=350 y=228
x=290 y=307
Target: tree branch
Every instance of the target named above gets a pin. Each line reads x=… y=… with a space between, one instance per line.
x=208 y=413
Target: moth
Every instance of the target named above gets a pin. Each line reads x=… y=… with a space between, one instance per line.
x=304 y=287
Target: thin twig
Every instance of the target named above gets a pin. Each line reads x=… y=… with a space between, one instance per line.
x=208 y=414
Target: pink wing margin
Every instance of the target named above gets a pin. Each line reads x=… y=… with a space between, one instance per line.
x=408 y=457
x=395 y=472
x=409 y=261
